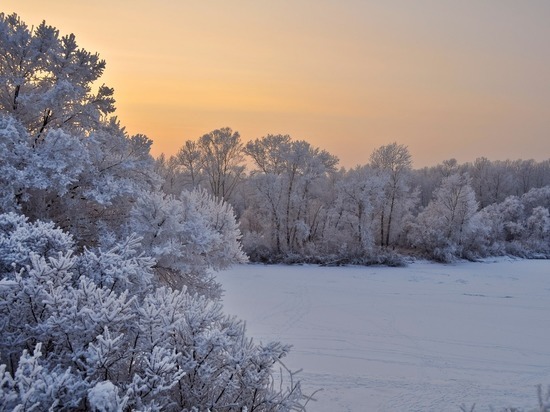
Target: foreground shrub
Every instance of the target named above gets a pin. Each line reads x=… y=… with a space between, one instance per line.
x=91 y=331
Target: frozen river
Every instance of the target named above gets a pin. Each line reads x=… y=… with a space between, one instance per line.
x=428 y=337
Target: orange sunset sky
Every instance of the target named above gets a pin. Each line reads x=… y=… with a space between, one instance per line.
x=460 y=79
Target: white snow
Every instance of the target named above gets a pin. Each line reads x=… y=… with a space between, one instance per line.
x=428 y=337
x=103 y=397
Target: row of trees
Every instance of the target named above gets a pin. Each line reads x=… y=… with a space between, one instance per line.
x=295 y=204
x=107 y=300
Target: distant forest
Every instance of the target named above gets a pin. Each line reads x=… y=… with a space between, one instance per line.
x=294 y=204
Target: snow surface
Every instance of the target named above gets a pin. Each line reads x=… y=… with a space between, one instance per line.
x=103 y=397
x=428 y=337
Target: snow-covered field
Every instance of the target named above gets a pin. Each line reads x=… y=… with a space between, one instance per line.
x=427 y=337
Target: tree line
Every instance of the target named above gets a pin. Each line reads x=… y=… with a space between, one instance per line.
x=294 y=204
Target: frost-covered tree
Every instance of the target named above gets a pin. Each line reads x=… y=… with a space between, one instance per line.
x=524 y=171
x=214 y=162
x=492 y=181
x=287 y=189
x=184 y=171
x=83 y=183
x=503 y=221
x=15 y=157
x=519 y=225
x=62 y=159
x=190 y=160
x=222 y=158
x=394 y=162
x=428 y=179
x=269 y=153
x=47 y=79
x=538 y=229
x=445 y=227
x=359 y=196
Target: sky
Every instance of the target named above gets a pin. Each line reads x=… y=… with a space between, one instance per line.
x=449 y=79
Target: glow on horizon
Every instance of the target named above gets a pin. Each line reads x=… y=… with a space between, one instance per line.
x=448 y=79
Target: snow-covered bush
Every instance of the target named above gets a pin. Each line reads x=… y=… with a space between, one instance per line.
x=119 y=268
x=446 y=228
x=187 y=236
x=37 y=386
x=519 y=226
x=20 y=239
x=92 y=330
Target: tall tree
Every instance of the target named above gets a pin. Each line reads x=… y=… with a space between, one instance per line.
x=214 y=162
x=190 y=161
x=222 y=160
x=269 y=153
x=395 y=161
x=47 y=79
